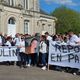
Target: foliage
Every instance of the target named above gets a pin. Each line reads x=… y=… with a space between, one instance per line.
x=67 y=19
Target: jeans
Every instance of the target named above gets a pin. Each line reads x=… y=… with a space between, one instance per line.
x=29 y=59
x=43 y=60
x=22 y=58
x=34 y=59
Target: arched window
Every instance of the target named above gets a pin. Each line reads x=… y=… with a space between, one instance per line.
x=11 y=29
x=11 y=21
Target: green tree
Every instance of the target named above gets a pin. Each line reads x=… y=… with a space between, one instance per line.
x=67 y=19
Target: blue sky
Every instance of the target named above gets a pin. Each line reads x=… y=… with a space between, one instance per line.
x=50 y=5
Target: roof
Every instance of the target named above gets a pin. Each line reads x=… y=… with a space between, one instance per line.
x=46 y=15
x=43 y=12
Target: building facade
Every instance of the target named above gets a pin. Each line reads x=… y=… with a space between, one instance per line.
x=24 y=16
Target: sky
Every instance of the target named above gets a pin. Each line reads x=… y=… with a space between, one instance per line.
x=50 y=5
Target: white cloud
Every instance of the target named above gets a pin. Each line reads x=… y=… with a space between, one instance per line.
x=63 y=2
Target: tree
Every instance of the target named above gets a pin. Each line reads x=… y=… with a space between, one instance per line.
x=67 y=19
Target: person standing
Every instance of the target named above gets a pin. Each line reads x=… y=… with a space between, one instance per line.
x=1 y=39
x=48 y=40
x=34 y=44
x=48 y=37
x=73 y=38
x=17 y=39
x=43 y=51
x=22 y=52
x=9 y=41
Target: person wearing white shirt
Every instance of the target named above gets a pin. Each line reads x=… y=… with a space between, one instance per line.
x=22 y=52
x=8 y=43
x=22 y=45
x=73 y=39
x=43 y=47
x=48 y=37
x=9 y=40
x=48 y=40
x=17 y=39
x=0 y=41
x=43 y=51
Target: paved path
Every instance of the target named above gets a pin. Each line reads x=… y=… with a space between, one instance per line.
x=33 y=73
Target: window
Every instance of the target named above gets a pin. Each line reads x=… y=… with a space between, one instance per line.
x=11 y=29
x=50 y=28
x=43 y=27
x=11 y=2
x=11 y=21
x=26 y=4
x=26 y=27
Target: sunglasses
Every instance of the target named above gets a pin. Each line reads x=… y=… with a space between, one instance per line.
x=22 y=38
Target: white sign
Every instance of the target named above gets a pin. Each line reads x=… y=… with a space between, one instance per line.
x=64 y=55
x=8 y=54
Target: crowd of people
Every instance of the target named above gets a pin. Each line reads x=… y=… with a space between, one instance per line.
x=35 y=51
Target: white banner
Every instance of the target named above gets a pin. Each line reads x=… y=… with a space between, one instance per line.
x=8 y=54
x=64 y=55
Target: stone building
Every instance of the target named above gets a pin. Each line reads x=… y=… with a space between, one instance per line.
x=24 y=16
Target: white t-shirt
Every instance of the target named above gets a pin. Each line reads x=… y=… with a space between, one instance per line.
x=17 y=41
x=0 y=40
x=43 y=47
x=49 y=38
x=22 y=44
x=8 y=44
x=73 y=39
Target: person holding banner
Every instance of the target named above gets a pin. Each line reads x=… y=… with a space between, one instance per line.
x=48 y=40
x=48 y=37
x=0 y=39
x=8 y=42
x=43 y=51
